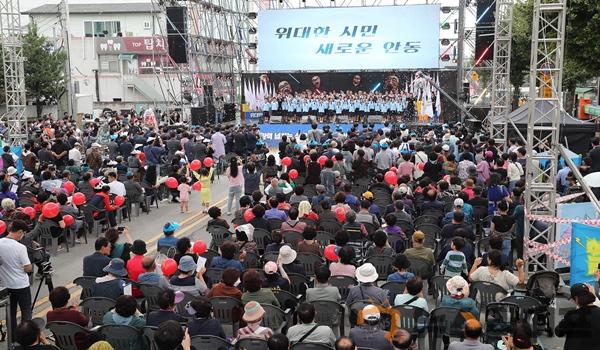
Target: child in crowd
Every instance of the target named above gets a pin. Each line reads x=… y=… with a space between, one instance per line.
x=455 y=261
x=184 y=195
x=205 y=194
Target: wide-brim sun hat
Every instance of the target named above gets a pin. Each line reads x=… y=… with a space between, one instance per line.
x=186 y=264
x=366 y=273
x=287 y=255
x=116 y=267
x=457 y=286
x=253 y=312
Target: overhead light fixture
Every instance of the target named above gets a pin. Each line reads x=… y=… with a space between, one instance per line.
x=252 y=15
x=252 y=45
x=252 y=30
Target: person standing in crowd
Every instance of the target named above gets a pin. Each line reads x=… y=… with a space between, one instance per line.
x=14 y=267
x=581 y=327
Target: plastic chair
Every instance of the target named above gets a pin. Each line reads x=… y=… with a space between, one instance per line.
x=96 y=307
x=298 y=283
x=151 y=293
x=224 y=308
x=276 y=318
x=330 y=226
x=202 y=342
x=219 y=234
x=275 y=223
x=439 y=288
x=324 y=238
x=121 y=336
x=527 y=306
x=485 y=292
x=383 y=265
x=65 y=334
x=167 y=251
x=251 y=261
x=429 y=230
x=292 y=238
x=214 y=275
x=426 y=219
x=343 y=284
x=148 y=333
x=187 y=297
x=251 y=344
x=329 y=313
x=86 y=283
x=270 y=256
x=46 y=238
x=262 y=238
x=445 y=321
x=482 y=246
x=286 y=299
x=500 y=319
x=394 y=288
x=421 y=268
x=310 y=262
x=415 y=320
x=309 y=222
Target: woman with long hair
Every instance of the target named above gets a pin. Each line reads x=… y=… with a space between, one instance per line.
x=236 y=180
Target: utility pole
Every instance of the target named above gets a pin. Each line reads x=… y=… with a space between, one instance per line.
x=64 y=23
x=460 y=71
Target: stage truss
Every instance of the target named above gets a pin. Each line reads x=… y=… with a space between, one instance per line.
x=14 y=75
x=501 y=87
x=545 y=84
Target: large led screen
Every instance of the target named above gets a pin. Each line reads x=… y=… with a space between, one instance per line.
x=349 y=38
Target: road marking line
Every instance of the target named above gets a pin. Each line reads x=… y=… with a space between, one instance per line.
x=221 y=203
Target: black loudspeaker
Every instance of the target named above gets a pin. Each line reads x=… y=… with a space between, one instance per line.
x=177 y=33
x=208 y=95
x=197 y=118
x=229 y=112
x=202 y=115
x=484 y=30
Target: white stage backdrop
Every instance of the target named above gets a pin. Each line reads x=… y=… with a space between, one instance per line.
x=384 y=37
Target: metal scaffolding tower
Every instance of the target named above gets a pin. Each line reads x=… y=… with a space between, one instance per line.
x=545 y=86
x=14 y=75
x=501 y=87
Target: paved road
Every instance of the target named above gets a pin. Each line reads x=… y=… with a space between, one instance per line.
x=68 y=266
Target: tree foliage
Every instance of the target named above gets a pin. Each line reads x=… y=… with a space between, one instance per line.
x=582 y=54
x=44 y=69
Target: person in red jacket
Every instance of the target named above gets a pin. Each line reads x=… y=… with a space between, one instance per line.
x=134 y=265
x=101 y=200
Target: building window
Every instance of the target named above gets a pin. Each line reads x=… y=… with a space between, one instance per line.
x=146 y=25
x=102 y=28
x=109 y=63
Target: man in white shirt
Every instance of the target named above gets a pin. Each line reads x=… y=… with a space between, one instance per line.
x=14 y=267
x=116 y=187
x=75 y=154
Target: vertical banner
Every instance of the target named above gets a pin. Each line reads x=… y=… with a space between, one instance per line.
x=571 y=211
x=585 y=252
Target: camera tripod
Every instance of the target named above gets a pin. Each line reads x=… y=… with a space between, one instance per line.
x=47 y=278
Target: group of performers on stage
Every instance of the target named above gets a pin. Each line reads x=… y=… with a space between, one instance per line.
x=325 y=106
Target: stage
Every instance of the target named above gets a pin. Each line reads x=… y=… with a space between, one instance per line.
x=271 y=133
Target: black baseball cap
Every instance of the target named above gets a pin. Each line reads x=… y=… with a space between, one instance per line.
x=579 y=290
